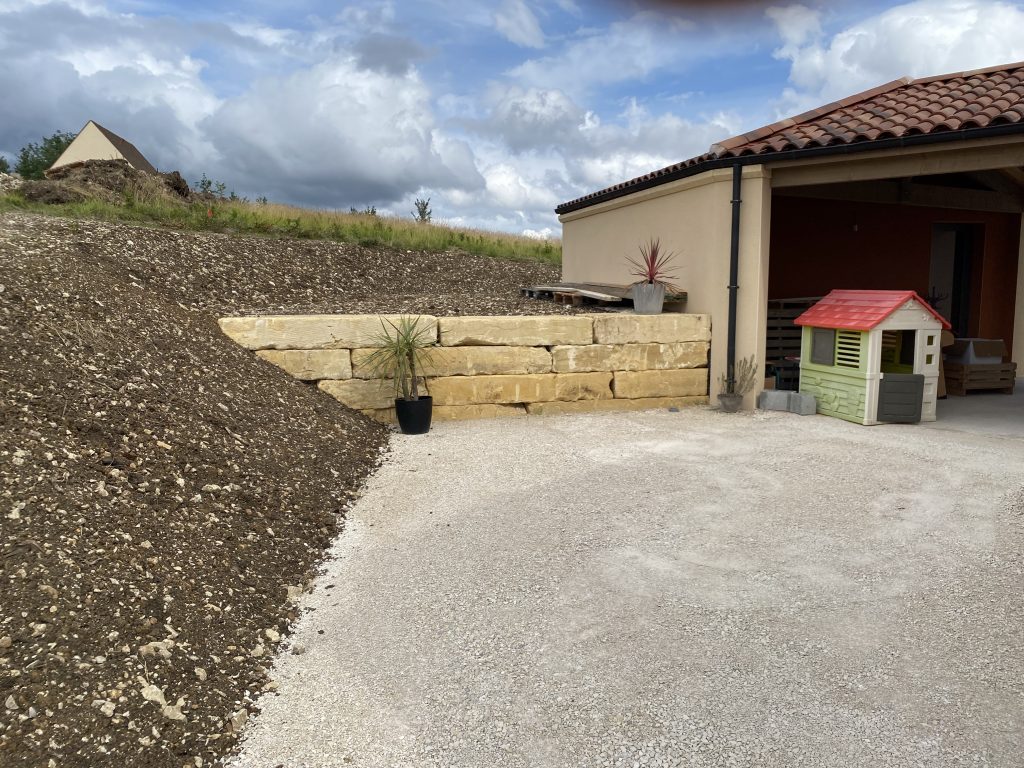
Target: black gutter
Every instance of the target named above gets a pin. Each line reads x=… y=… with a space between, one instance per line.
x=734 y=276
x=799 y=154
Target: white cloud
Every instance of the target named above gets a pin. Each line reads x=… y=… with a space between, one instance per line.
x=928 y=37
x=338 y=134
x=626 y=50
x=519 y=25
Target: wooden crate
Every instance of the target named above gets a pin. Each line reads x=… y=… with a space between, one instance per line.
x=961 y=379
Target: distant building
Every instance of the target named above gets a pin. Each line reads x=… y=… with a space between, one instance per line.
x=94 y=142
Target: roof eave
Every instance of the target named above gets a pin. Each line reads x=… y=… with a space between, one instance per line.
x=878 y=145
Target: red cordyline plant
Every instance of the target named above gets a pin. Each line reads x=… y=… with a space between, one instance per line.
x=651 y=266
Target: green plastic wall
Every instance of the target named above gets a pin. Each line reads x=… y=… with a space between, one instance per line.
x=840 y=391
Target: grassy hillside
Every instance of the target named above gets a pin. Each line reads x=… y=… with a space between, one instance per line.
x=230 y=216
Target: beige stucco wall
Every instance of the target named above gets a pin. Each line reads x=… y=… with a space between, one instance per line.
x=693 y=218
x=90 y=144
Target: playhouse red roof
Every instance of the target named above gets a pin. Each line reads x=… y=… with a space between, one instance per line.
x=860 y=310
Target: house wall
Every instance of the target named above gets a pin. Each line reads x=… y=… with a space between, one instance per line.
x=693 y=218
x=1018 y=322
x=498 y=366
x=818 y=245
x=90 y=144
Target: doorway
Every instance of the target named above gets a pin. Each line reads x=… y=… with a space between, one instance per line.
x=949 y=279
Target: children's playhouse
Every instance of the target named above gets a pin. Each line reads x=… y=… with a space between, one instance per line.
x=872 y=356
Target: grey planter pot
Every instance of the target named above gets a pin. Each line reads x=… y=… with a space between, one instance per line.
x=730 y=403
x=648 y=298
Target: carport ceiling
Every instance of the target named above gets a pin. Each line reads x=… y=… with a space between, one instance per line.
x=1000 y=191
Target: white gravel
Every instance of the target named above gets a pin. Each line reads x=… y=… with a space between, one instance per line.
x=667 y=589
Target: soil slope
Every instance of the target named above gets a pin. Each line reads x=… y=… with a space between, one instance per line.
x=163 y=491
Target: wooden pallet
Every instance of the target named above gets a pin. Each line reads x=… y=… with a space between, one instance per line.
x=576 y=294
x=783 y=337
x=961 y=379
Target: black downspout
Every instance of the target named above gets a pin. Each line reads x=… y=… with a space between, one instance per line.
x=734 y=276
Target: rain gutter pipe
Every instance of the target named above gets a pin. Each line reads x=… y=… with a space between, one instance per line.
x=734 y=275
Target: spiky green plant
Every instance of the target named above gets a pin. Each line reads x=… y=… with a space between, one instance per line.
x=402 y=353
x=652 y=265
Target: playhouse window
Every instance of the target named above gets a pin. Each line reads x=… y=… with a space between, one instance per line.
x=823 y=346
x=848 y=349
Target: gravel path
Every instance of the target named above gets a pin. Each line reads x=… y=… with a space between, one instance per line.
x=666 y=589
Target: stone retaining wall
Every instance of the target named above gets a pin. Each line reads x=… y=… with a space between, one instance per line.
x=500 y=366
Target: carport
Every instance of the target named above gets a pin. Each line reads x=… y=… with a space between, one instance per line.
x=914 y=185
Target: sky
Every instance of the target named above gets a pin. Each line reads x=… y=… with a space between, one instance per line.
x=496 y=111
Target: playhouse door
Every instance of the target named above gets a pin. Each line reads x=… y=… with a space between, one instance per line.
x=900 y=396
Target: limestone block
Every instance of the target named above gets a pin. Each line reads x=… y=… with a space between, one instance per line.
x=630 y=357
x=454 y=412
x=518 y=331
x=482 y=411
x=469 y=361
x=583 y=386
x=644 y=329
x=687 y=382
x=473 y=390
x=311 y=364
x=594 y=406
x=311 y=331
x=362 y=393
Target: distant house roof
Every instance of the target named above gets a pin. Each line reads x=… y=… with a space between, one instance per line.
x=967 y=104
x=127 y=149
x=860 y=310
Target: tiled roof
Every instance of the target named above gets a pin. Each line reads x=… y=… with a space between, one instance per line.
x=860 y=310
x=961 y=102
x=127 y=149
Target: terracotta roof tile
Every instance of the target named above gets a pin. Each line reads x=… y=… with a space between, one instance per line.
x=961 y=101
x=860 y=310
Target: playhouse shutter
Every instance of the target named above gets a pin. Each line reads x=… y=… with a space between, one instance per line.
x=848 y=349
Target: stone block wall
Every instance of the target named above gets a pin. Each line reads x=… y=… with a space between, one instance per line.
x=500 y=366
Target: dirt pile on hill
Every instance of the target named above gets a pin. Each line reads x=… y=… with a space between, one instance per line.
x=113 y=181
x=162 y=490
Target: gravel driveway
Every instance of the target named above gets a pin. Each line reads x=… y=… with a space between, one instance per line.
x=667 y=589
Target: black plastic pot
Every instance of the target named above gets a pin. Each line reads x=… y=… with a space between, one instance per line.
x=414 y=415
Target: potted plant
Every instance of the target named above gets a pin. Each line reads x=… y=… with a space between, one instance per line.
x=651 y=267
x=734 y=388
x=402 y=352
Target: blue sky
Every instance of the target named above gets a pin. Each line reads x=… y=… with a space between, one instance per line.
x=496 y=111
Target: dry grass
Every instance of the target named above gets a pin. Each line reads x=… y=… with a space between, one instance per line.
x=144 y=206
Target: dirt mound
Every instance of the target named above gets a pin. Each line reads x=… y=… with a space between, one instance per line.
x=110 y=180
x=9 y=182
x=161 y=489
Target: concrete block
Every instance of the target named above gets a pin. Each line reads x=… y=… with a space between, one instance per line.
x=583 y=386
x=516 y=331
x=469 y=361
x=602 y=406
x=474 y=390
x=803 y=404
x=773 y=400
x=630 y=357
x=311 y=364
x=644 y=329
x=691 y=382
x=312 y=331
